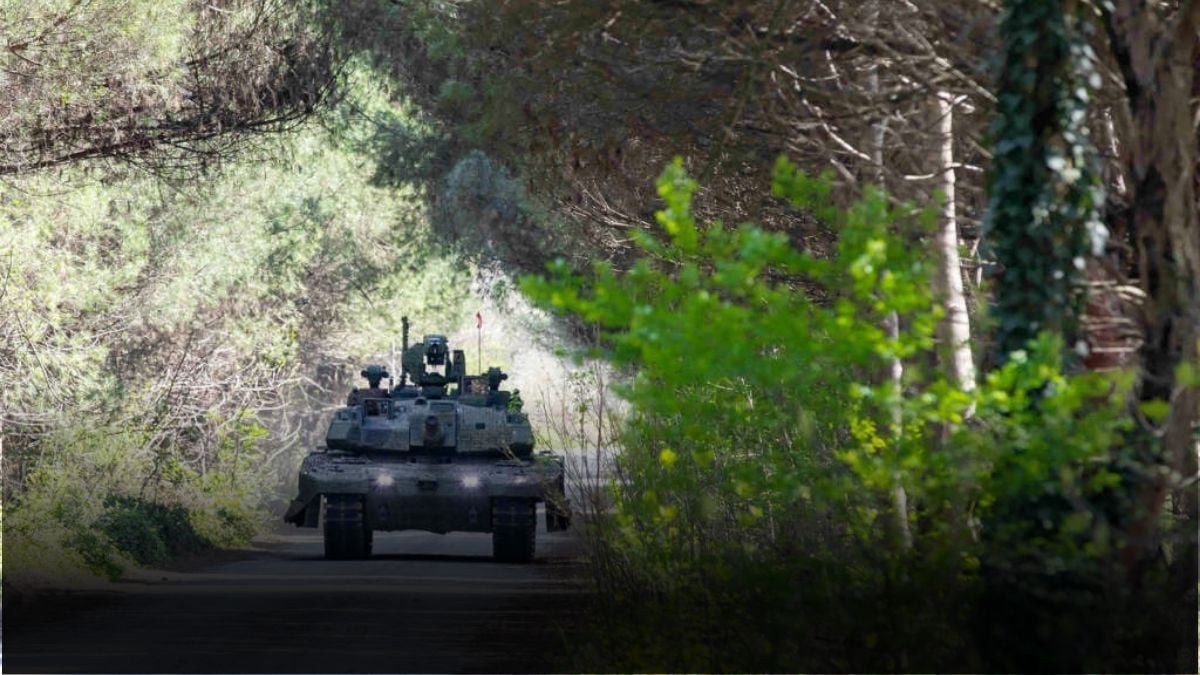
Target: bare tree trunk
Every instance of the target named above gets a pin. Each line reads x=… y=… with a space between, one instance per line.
x=956 y=327
x=896 y=373
x=892 y=322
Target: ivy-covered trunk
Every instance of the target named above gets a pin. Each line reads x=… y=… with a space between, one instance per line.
x=1043 y=193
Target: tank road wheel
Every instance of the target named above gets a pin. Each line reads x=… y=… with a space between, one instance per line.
x=346 y=533
x=514 y=529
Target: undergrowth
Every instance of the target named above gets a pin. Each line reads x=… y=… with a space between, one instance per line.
x=781 y=504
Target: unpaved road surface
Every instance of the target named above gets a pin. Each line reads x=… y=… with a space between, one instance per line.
x=423 y=603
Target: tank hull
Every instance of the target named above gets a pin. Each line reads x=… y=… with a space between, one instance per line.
x=433 y=493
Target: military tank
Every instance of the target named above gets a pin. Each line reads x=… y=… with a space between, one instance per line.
x=443 y=451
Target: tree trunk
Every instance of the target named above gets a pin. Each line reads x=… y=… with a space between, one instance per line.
x=956 y=327
x=1158 y=63
x=892 y=322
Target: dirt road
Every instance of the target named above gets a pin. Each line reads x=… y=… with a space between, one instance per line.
x=423 y=603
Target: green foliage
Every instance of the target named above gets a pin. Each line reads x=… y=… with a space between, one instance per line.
x=85 y=506
x=766 y=444
x=1047 y=450
x=158 y=340
x=433 y=24
x=376 y=121
x=149 y=533
x=170 y=84
x=144 y=40
x=1044 y=192
x=744 y=382
x=458 y=98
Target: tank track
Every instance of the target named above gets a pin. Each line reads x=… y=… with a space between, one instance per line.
x=347 y=536
x=514 y=529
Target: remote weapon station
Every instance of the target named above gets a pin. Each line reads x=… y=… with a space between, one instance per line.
x=443 y=451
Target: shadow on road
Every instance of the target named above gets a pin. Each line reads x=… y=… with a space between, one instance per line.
x=425 y=603
x=448 y=558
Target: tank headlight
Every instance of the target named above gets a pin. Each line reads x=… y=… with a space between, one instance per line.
x=384 y=480
x=470 y=482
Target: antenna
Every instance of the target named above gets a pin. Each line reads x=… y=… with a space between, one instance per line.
x=404 y=344
x=392 y=364
x=479 y=340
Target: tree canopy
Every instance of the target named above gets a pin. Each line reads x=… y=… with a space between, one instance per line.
x=901 y=301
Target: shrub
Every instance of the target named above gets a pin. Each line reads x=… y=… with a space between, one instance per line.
x=771 y=466
x=149 y=533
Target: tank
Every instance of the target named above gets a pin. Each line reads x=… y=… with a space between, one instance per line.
x=443 y=451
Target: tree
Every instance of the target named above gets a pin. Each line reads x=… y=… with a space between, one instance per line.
x=165 y=84
x=585 y=101
x=1156 y=50
x=956 y=327
x=1043 y=193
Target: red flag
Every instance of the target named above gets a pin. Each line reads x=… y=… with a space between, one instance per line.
x=478 y=320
